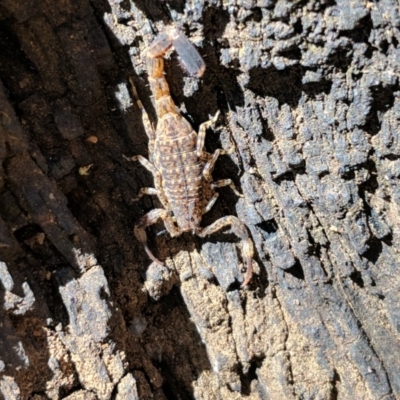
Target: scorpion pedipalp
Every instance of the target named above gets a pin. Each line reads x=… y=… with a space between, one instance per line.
x=190 y=59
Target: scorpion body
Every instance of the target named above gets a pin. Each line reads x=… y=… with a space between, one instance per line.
x=175 y=155
x=180 y=167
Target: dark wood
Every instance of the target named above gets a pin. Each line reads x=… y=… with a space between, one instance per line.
x=309 y=96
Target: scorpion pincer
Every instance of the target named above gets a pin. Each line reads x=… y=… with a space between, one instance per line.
x=180 y=166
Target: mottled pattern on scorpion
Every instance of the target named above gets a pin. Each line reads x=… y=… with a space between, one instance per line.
x=180 y=166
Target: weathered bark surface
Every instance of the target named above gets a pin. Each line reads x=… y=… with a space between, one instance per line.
x=309 y=96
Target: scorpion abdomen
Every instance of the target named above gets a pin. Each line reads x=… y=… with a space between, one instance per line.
x=181 y=171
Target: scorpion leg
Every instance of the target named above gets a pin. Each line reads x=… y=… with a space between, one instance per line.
x=145 y=162
x=202 y=135
x=154 y=192
x=240 y=230
x=157 y=180
x=146 y=190
x=218 y=184
x=150 y=219
x=226 y=182
x=148 y=127
x=210 y=204
x=212 y=159
x=210 y=164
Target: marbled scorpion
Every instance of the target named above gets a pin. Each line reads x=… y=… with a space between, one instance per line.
x=180 y=166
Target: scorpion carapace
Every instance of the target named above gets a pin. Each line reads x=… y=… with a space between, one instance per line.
x=180 y=166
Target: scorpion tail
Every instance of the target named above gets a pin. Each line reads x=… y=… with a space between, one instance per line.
x=152 y=256
x=140 y=230
x=239 y=229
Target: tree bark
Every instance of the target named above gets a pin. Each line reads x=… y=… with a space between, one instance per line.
x=310 y=100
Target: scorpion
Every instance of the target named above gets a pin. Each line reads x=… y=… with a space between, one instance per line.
x=180 y=166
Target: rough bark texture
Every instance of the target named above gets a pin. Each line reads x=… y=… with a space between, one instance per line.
x=309 y=96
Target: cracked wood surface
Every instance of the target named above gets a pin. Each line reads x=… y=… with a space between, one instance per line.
x=309 y=95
